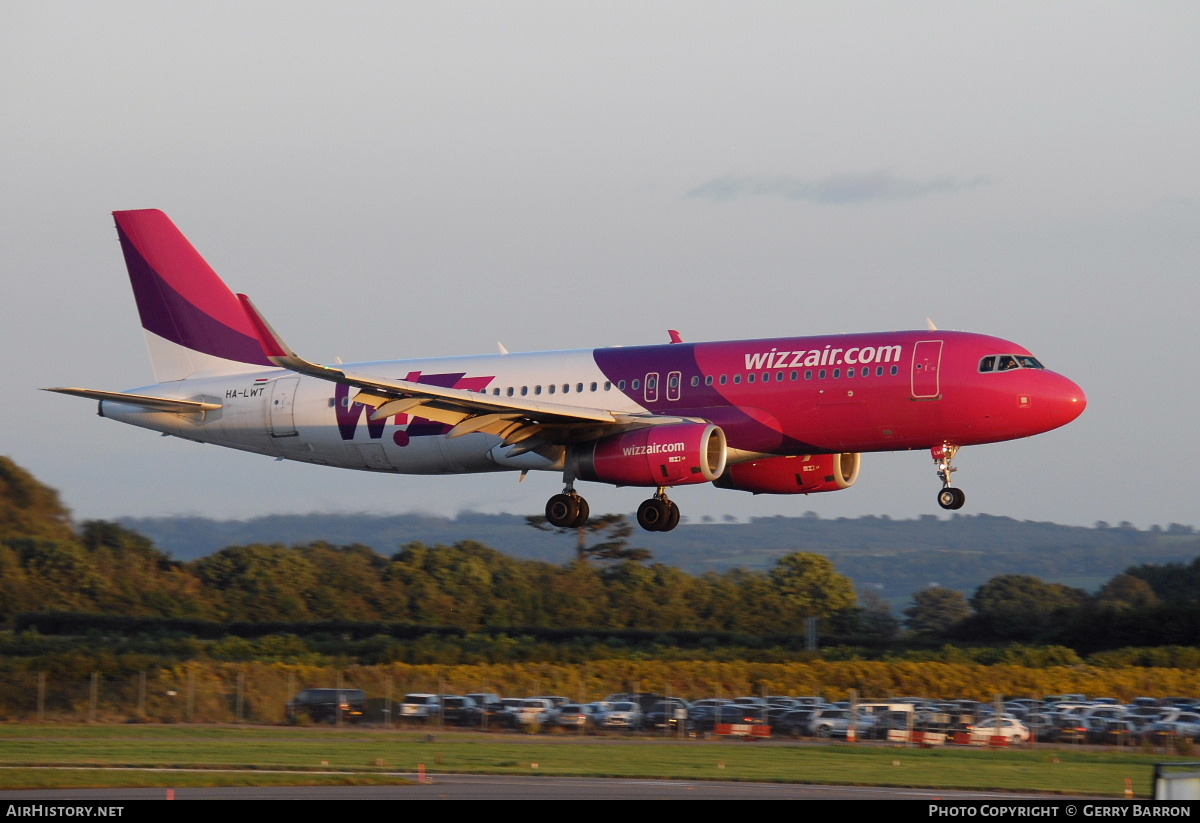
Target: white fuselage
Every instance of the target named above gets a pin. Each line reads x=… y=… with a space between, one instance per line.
x=289 y=416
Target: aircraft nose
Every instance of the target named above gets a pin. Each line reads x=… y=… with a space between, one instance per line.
x=1070 y=399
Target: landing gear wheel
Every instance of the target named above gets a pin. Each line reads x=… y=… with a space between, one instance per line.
x=653 y=514
x=672 y=517
x=658 y=514
x=951 y=498
x=582 y=514
x=562 y=510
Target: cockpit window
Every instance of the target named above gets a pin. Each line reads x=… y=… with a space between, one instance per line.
x=1008 y=362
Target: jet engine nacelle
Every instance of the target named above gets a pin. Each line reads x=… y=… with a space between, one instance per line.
x=669 y=455
x=803 y=474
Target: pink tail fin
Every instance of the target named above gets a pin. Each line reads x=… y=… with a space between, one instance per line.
x=194 y=324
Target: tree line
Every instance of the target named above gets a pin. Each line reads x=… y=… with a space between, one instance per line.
x=101 y=568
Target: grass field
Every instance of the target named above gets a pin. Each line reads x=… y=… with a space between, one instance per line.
x=42 y=756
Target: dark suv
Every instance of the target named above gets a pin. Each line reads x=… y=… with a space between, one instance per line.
x=328 y=705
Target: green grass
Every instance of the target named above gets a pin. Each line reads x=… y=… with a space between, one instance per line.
x=27 y=753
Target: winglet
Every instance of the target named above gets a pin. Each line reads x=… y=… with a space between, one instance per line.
x=676 y=337
x=277 y=351
x=272 y=344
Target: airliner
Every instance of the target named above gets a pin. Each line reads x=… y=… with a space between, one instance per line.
x=790 y=415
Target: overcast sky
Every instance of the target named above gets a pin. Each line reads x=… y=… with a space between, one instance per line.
x=403 y=179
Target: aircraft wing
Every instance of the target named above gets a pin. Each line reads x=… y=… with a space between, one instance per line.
x=143 y=400
x=513 y=419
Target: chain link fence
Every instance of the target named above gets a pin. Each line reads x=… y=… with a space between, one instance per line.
x=254 y=694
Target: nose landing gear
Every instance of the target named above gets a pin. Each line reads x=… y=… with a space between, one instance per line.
x=949 y=497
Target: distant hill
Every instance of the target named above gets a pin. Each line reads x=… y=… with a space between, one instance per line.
x=895 y=557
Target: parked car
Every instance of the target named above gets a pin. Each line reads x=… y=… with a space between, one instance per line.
x=536 y=711
x=576 y=716
x=1010 y=729
x=494 y=712
x=1106 y=731
x=836 y=723
x=1176 y=724
x=328 y=705
x=1066 y=728
x=420 y=707
x=667 y=715
x=794 y=723
x=730 y=713
x=458 y=710
x=622 y=715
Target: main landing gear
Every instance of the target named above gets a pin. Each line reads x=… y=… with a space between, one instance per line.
x=567 y=510
x=658 y=514
x=949 y=497
x=570 y=511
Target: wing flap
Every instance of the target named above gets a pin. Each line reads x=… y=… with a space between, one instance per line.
x=449 y=401
x=515 y=420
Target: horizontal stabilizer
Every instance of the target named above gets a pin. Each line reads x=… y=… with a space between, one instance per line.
x=145 y=401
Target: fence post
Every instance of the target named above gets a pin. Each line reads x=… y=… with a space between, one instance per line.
x=93 y=697
x=241 y=681
x=41 y=697
x=387 y=701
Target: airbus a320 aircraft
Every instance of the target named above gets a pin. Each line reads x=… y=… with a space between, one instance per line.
x=788 y=415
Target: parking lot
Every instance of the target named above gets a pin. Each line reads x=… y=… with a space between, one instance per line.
x=1063 y=719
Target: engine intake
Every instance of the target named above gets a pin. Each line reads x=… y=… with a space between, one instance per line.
x=803 y=474
x=670 y=455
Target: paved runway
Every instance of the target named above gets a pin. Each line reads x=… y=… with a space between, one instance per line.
x=505 y=787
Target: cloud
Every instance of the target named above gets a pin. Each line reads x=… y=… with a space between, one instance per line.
x=835 y=190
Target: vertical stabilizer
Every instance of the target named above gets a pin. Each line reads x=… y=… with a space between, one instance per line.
x=194 y=324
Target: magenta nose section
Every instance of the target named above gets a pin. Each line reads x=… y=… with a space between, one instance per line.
x=1068 y=400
